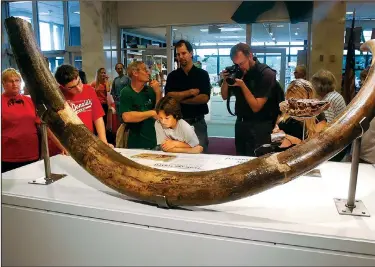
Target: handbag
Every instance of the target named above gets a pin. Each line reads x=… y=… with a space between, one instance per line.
x=122 y=136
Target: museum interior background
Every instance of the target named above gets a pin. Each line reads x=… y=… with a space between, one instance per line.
x=93 y=34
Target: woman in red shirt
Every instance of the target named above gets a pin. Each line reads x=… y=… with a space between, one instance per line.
x=102 y=87
x=19 y=135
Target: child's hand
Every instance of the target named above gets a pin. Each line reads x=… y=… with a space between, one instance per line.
x=168 y=144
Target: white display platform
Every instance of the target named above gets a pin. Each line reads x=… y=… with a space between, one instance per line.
x=79 y=221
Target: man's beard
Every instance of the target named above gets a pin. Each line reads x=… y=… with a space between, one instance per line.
x=183 y=63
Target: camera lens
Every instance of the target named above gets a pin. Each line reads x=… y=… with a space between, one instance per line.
x=230 y=81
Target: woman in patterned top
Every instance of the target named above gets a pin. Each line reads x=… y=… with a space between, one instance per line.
x=324 y=83
x=293 y=128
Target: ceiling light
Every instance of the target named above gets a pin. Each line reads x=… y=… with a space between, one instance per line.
x=280 y=26
x=349 y=13
x=76 y=12
x=224 y=29
x=273 y=38
x=296 y=33
x=230 y=29
x=175 y=29
x=271 y=33
x=297 y=28
x=229 y=37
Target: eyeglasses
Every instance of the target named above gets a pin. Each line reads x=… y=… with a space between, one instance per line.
x=14 y=101
x=74 y=86
x=242 y=63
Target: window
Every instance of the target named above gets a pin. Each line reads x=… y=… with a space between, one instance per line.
x=51 y=25
x=23 y=10
x=74 y=23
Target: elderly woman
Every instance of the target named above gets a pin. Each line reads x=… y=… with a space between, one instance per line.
x=324 y=83
x=19 y=138
x=293 y=128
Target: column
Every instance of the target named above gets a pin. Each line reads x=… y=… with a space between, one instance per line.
x=92 y=40
x=327 y=38
x=99 y=37
x=111 y=36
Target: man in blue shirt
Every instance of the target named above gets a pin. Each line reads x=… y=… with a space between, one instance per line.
x=118 y=84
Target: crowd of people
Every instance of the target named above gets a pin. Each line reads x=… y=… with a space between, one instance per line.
x=173 y=120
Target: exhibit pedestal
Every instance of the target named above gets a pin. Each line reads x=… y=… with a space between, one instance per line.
x=79 y=221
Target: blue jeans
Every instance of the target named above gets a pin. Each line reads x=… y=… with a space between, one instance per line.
x=200 y=128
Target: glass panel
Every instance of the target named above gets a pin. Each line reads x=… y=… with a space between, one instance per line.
x=78 y=62
x=279 y=33
x=51 y=25
x=23 y=10
x=275 y=63
x=54 y=62
x=289 y=74
x=74 y=23
x=224 y=61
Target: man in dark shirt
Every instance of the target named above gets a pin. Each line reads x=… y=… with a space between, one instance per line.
x=191 y=87
x=256 y=102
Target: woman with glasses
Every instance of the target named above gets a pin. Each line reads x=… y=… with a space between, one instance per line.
x=19 y=137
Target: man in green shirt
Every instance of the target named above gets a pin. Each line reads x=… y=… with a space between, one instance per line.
x=137 y=104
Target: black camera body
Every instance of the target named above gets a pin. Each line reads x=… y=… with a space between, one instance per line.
x=234 y=73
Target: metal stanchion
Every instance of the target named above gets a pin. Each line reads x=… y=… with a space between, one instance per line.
x=49 y=176
x=351 y=206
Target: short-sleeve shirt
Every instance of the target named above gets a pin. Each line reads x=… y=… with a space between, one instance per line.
x=178 y=81
x=101 y=92
x=294 y=127
x=141 y=134
x=337 y=105
x=87 y=107
x=183 y=132
x=260 y=85
x=19 y=137
x=118 y=84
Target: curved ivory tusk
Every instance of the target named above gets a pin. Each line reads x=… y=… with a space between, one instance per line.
x=179 y=188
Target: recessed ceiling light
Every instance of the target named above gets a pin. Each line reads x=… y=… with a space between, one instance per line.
x=280 y=26
x=349 y=13
x=229 y=37
x=224 y=29
x=296 y=33
x=175 y=29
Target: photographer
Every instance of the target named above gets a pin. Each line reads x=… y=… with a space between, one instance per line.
x=257 y=99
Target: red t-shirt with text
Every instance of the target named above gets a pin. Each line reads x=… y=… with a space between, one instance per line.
x=88 y=108
x=19 y=137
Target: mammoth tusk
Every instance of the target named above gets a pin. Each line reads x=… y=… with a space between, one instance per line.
x=178 y=188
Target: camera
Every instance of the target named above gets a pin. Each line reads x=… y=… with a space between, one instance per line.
x=234 y=72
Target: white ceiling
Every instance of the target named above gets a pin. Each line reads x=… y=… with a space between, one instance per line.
x=261 y=32
x=52 y=11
